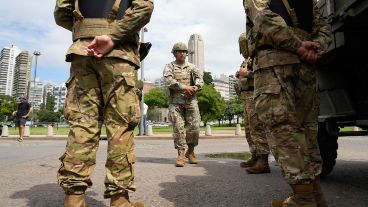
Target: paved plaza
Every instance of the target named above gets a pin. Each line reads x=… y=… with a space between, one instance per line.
x=28 y=175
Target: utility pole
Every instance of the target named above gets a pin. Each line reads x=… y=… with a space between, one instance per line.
x=141 y=127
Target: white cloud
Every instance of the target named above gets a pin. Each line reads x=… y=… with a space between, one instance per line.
x=30 y=25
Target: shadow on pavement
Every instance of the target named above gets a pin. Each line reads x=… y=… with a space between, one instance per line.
x=347 y=185
x=224 y=184
x=156 y=160
x=50 y=195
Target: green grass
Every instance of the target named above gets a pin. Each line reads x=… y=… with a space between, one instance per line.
x=234 y=155
x=156 y=130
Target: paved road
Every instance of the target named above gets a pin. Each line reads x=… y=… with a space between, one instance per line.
x=28 y=176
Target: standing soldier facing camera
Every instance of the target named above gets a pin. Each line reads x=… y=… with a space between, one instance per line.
x=291 y=35
x=183 y=81
x=102 y=88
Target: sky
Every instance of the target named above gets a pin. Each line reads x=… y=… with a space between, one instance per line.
x=30 y=25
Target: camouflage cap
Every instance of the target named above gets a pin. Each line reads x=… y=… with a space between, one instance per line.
x=243 y=44
x=179 y=46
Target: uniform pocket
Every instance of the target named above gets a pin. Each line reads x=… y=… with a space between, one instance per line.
x=271 y=105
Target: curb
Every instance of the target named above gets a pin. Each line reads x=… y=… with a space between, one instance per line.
x=154 y=137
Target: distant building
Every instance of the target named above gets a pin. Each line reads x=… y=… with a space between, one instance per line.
x=232 y=92
x=60 y=95
x=148 y=85
x=36 y=94
x=196 y=51
x=221 y=85
x=159 y=82
x=7 y=66
x=22 y=74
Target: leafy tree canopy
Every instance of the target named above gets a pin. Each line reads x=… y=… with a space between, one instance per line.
x=211 y=104
x=156 y=97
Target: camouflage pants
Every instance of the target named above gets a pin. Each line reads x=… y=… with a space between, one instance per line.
x=185 y=119
x=287 y=102
x=255 y=132
x=100 y=91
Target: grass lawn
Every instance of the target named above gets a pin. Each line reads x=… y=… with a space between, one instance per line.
x=156 y=130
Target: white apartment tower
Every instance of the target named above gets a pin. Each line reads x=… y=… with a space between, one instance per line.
x=22 y=74
x=60 y=95
x=7 y=64
x=36 y=93
x=196 y=51
x=221 y=84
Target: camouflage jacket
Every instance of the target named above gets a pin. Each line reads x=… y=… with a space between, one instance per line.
x=125 y=34
x=272 y=30
x=178 y=77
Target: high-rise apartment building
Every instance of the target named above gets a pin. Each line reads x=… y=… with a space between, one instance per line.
x=196 y=51
x=36 y=93
x=22 y=74
x=7 y=64
x=60 y=95
x=221 y=84
x=232 y=82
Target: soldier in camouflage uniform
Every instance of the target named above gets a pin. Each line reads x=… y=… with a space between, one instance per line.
x=291 y=36
x=183 y=81
x=102 y=88
x=254 y=130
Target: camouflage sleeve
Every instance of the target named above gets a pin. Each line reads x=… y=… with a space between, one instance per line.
x=197 y=78
x=321 y=30
x=271 y=27
x=134 y=19
x=169 y=79
x=63 y=13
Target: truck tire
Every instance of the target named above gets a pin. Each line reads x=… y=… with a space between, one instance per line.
x=328 y=147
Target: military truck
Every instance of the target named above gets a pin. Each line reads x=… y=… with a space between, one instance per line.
x=343 y=77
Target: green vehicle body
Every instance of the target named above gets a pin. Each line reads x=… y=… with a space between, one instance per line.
x=343 y=76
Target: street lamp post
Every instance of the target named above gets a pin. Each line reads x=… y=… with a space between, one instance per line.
x=141 y=127
x=35 y=53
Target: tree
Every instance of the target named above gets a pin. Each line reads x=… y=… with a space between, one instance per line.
x=50 y=102
x=7 y=106
x=156 y=97
x=207 y=78
x=45 y=115
x=210 y=102
x=233 y=107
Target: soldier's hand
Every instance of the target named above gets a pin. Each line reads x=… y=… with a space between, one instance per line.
x=190 y=91
x=243 y=72
x=309 y=51
x=100 y=46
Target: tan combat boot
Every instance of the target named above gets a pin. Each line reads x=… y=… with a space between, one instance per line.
x=75 y=201
x=318 y=195
x=191 y=156
x=180 y=162
x=302 y=196
x=261 y=166
x=250 y=162
x=120 y=200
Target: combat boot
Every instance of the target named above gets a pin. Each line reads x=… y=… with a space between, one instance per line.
x=121 y=200
x=250 y=162
x=318 y=195
x=302 y=196
x=261 y=166
x=180 y=162
x=191 y=156
x=75 y=201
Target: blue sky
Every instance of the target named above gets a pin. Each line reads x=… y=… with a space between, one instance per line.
x=30 y=26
